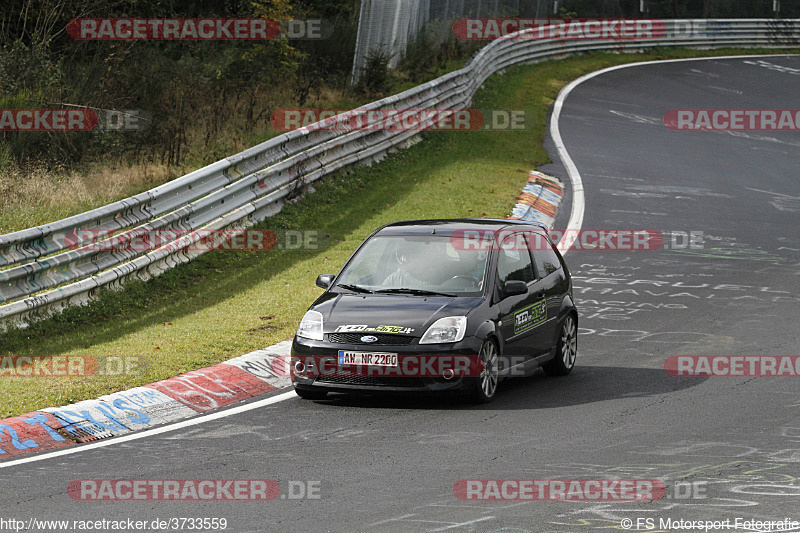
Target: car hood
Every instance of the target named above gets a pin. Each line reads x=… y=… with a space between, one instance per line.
x=405 y=314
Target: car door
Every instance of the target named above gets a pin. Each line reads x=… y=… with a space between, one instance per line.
x=522 y=314
x=551 y=285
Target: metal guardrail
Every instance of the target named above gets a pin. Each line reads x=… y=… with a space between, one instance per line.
x=54 y=265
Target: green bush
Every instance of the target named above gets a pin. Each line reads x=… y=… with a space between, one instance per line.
x=375 y=80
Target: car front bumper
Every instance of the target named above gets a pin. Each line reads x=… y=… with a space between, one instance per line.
x=305 y=350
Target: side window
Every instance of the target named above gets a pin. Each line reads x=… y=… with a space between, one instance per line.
x=546 y=259
x=514 y=261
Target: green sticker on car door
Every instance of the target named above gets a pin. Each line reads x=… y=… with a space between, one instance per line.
x=530 y=316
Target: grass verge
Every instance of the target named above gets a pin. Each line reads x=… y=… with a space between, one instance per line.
x=227 y=303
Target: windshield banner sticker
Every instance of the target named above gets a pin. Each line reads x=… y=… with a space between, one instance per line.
x=530 y=316
x=363 y=328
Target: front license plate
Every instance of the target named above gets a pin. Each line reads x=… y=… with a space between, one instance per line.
x=367 y=358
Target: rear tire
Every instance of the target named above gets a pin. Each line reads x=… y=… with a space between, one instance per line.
x=307 y=394
x=566 y=349
x=485 y=385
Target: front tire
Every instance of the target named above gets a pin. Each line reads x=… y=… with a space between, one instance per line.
x=308 y=394
x=566 y=349
x=485 y=385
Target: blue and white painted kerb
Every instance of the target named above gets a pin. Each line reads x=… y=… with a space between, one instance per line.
x=154 y=404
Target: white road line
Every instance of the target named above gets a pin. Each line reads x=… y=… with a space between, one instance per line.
x=578 y=201
x=578 y=198
x=155 y=431
x=404 y=517
x=462 y=524
x=770 y=192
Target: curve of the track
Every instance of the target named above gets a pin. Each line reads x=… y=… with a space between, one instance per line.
x=390 y=464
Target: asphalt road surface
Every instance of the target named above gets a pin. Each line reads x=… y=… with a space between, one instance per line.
x=726 y=282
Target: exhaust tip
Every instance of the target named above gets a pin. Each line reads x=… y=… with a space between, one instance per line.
x=448 y=374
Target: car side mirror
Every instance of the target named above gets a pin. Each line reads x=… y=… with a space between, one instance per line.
x=324 y=281
x=513 y=287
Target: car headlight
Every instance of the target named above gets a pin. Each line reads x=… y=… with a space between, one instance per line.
x=447 y=329
x=311 y=326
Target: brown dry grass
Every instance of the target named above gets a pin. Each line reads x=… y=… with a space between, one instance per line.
x=32 y=196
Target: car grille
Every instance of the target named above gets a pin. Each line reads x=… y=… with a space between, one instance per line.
x=384 y=339
x=374 y=381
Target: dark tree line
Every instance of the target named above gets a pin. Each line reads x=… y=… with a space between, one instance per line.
x=192 y=90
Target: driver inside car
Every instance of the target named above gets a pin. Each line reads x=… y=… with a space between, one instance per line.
x=414 y=259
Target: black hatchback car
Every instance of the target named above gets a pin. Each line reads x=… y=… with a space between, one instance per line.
x=439 y=305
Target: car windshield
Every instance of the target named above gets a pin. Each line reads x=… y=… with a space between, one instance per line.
x=423 y=265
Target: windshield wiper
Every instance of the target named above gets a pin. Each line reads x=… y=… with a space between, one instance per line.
x=354 y=288
x=416 y=292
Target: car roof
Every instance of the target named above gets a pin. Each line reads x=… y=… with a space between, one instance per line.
x=446 y=226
